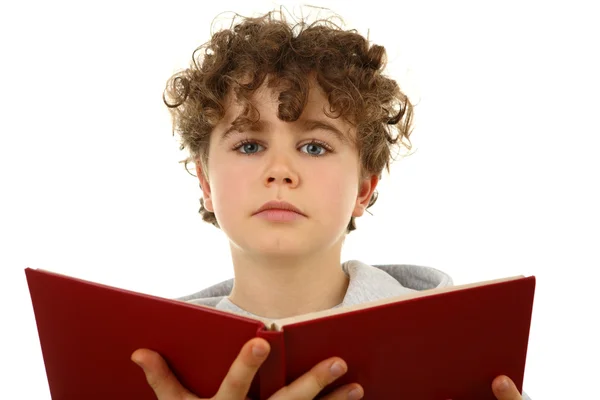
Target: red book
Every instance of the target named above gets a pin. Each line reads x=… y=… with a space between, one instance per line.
x=446 y=343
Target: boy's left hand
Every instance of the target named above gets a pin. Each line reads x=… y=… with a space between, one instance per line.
x=505 y=389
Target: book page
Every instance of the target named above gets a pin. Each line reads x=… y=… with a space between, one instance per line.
x=278 y=325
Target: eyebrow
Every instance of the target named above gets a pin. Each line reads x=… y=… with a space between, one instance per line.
x=309 y=125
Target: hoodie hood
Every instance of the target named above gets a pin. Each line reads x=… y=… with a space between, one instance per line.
x=367 y=283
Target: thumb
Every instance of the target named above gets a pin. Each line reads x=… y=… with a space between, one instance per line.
x=159 y=376
x=505 y=389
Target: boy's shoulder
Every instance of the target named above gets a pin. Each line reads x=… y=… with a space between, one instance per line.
x=367 y=283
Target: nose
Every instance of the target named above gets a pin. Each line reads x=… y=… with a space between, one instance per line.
x=281 y=173
x=281 y=176
x=287 y=180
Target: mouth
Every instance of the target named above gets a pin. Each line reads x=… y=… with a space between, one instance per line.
x=279 y=206
x=279 y=215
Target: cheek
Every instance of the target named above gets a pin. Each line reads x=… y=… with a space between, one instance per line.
x=228 y=187
x=337 y=184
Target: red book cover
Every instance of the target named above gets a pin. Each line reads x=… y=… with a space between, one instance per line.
x=447 y=343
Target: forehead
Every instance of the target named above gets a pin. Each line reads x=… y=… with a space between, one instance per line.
x=265 y=97
x=266 y=101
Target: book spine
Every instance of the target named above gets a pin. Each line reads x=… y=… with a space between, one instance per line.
x=271 y=374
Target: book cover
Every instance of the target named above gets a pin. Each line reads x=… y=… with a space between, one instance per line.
x=436 y=344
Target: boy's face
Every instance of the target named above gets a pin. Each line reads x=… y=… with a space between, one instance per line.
x=281 y=162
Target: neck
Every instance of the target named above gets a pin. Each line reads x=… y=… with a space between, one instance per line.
x=282 y=287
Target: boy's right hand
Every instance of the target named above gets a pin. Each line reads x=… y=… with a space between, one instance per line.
x=236 y=384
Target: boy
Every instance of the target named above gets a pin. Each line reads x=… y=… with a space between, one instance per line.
x=290 y=128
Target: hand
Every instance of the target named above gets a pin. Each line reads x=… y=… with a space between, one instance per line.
x=236 y=384
x=505 y=389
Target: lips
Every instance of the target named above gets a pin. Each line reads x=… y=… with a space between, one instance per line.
x=279 y=205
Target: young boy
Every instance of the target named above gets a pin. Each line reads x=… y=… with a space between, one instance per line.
x=290 y=128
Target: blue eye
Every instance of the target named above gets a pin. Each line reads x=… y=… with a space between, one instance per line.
x=315 y=146
x=250 y=147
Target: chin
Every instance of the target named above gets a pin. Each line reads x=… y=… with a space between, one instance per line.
x=280 y=249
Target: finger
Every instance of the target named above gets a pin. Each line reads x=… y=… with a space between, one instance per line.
x=347 y=392
x=239 y=378
x=311 y=383
x=159 y=376
x=505 y=389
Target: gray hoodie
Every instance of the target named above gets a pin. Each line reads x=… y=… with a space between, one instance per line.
x=367 y=283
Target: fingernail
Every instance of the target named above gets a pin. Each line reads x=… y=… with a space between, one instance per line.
x=259 y=351
x=355 y=394
x=503 y=385
x=336 y=369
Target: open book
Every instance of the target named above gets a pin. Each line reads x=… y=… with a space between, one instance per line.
x=445 y=343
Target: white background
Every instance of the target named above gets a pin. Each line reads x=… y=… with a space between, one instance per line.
x=504 y=180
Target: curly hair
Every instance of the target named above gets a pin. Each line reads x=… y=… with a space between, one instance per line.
x=238 y=60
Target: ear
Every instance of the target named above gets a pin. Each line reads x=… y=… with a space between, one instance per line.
x=366 y=188
x=206 y=195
